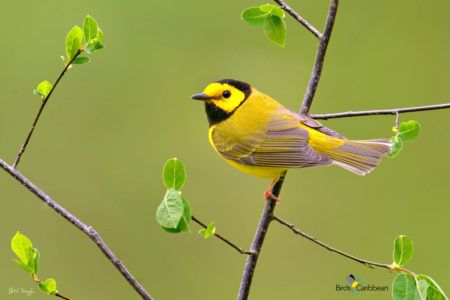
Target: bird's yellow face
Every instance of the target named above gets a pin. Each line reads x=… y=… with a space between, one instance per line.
x=223 y=98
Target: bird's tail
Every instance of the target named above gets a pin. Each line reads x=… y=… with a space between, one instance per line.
x=360 y=157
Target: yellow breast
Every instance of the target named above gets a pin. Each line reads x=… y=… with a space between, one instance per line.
x=247 y=123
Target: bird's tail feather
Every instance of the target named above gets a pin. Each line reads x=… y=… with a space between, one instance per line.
x=360 y=157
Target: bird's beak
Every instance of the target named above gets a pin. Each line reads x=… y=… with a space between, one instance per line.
x=201 y=96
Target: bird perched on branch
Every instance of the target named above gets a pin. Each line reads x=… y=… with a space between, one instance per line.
x=261 y=137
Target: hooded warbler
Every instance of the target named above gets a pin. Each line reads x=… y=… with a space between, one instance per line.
x=261 y=137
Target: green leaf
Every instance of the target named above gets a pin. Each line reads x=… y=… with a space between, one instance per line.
x=63 y=58
x=272 y=9
x=408 y=131
x=422 y=286
x=43 y=88
x=404 y=287
x=187 y=209
x=209 y=231
x=174 y=174
x=74 y=40
x=90 y=29
x=172 y=230
x=397 y=146
x=186 y=219
x=183 y=225
x=22 y=246
x=34 y=261
x=403 y=250
x=48 y=286
x=96 y=43
x=275 y=29
x=254 y=16
x=81 y=60
x=95 y=47
x=23 y=266
x=433 y=290
x=170 y=210
x=99 y=37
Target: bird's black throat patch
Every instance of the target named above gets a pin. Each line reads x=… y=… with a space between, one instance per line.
x=216 y=114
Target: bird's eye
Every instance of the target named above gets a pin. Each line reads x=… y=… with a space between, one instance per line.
x=226 y=94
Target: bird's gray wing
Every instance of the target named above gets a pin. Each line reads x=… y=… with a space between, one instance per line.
x=282 y=143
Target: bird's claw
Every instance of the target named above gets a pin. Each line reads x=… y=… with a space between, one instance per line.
x=268 y=195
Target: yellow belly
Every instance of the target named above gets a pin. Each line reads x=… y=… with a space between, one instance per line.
x=263 y=172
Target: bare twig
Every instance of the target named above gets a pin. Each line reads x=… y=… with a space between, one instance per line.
x=299 y=18
x=238 y=249
x=320 y=57
x=88 y=230
x=44 y=101
x=258 y=240
x=62 y=296
x=332 y=249
x=379 y=112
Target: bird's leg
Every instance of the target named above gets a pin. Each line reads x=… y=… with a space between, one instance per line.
x=268 y=194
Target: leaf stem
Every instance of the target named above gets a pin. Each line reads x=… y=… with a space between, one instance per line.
x=88 y=230
x=379 y=112
x=41 y=108
x=238 y=249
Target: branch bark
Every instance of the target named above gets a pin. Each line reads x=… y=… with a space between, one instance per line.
x=320 y=57
x=394 y=111
x=267 y=214
x=258 y=240
x=88 y=230
x=41 y=108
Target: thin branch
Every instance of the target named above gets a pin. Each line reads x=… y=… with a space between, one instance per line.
x=332 y=249
x=238 y=249
x=44 y=101
x=258 y=240
x=379 y=112
x=267 y=214
x=320 y=57
x=62 y=296
x=299 y=18
x=88 y=230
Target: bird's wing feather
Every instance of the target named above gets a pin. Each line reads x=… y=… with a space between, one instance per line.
x=282 y=143
x=313 y=123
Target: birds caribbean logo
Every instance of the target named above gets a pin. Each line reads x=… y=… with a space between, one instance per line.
x=259 y=136
x=353 y=282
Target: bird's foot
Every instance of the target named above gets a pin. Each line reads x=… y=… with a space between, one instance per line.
x=268 y=195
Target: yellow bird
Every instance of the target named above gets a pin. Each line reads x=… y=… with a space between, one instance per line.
x=261 y=137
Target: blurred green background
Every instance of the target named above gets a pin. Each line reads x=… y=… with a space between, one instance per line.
x=111 y=124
